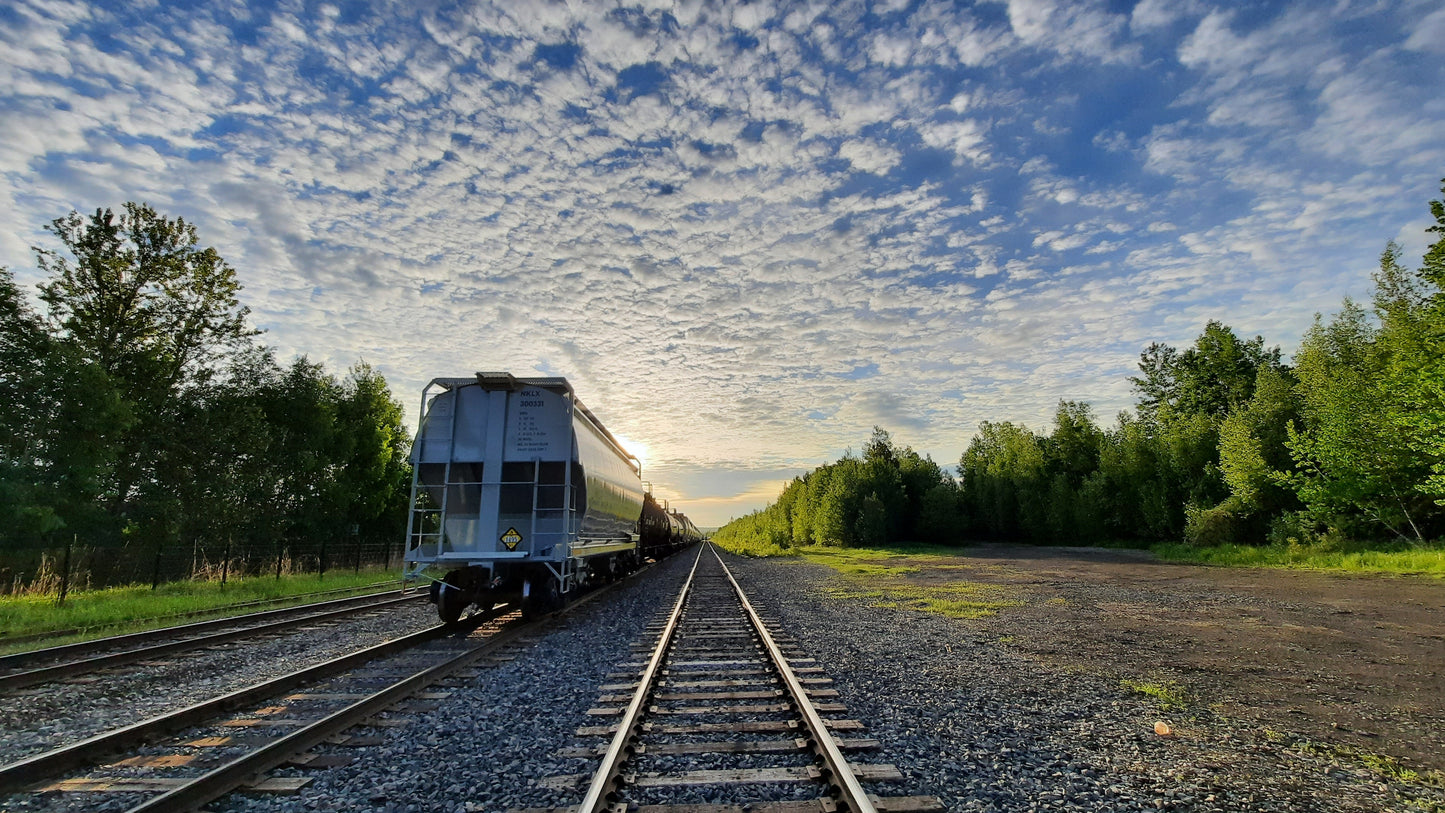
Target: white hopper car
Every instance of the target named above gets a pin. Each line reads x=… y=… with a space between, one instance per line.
x=518 y=493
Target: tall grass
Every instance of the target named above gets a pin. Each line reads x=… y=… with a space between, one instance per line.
x=1333 y=556
x=128 y=608
x=750 y=546
x=1429 y=561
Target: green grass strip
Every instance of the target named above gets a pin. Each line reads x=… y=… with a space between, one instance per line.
x=1428 y=561
x=128 y=609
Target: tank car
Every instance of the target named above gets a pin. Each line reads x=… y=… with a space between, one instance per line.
x=519 y=493
x=663 y=530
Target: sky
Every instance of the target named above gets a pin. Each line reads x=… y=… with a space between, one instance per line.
x=747 y=232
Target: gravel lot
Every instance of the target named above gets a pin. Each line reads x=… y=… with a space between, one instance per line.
x=985 y=728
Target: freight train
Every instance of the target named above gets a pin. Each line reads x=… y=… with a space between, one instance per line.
x=520 y=494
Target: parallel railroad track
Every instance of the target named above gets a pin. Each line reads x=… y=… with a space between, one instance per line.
x=187 y=758
x=726 y=715
x=183 y=760
x=25 y=669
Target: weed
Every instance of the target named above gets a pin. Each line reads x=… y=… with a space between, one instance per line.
x=1386 y=767
x=1170 y=695
x=126 y=609
x=1430 y=561
x=954 y=599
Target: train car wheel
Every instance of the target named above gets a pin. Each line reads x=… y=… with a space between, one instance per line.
x=452 y=598
x=451 y=604
x=543 y=598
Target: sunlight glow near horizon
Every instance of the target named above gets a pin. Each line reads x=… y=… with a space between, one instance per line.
x=747 y=233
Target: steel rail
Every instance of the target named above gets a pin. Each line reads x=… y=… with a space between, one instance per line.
x=34 y=769
x=47 y=674
x=851 y=795
x=608 y=774
x=237 y=772
x=80 y=647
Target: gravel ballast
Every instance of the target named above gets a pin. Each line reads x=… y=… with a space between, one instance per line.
x=490 y=743
x=53 y=715
x=963 y=717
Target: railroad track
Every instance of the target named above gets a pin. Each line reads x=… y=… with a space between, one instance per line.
x=26 y=669
x=724 y=715
x=185 y=759
x=182 y=760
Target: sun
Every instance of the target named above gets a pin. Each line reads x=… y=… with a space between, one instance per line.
x=638 y=449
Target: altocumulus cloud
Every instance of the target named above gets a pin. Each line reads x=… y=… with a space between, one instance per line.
x=747 y=233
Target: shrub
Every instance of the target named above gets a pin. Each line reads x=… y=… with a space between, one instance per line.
x=1224 y=524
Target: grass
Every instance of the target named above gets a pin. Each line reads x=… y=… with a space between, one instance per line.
x=877 y=577
x=756 y=548
x=1170 y=695
x=955 y=599
x=1429 y=561
x=127 y=609
x=1386 y=767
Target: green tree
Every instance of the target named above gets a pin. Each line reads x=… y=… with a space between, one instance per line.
x=1411 y=309
x=1073 y=448
x=1136 y=478
x=137 y=298
x=1212 y=377
x=58 y=431
x=1003 y=482
x=375 y=472
x=941 y=518
x=1370 y=447
x=1350 y=459
x=1254 y=457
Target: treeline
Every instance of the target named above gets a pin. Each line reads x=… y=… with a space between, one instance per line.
x=890 y=493
x=142 y=412
x=1227 y=444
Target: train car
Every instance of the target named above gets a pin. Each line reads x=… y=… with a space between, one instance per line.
x=664 y=531
x=519 y=493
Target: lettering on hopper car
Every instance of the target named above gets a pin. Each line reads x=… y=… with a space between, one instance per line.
x=530 y=429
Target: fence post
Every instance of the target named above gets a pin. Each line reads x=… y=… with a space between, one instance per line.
x=278 y=560
x=226 y=559
x=321 y=559
x=358 y=554
x=65 y=571
x=156 y=571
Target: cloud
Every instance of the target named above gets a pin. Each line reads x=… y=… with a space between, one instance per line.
x=1072 y=29
x=965 y=139
x=747 y=233
x=1428 y=34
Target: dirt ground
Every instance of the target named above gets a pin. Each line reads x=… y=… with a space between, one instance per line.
x=1343 y=660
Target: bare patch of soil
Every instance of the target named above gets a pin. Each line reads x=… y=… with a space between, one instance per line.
x=1348 y=661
